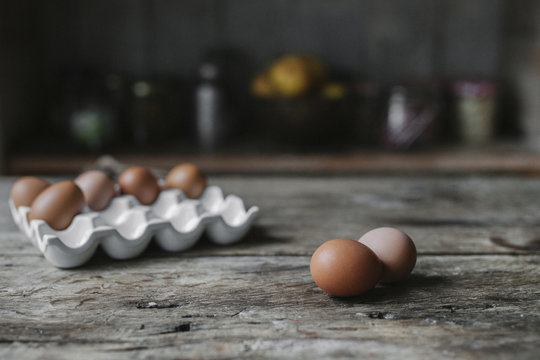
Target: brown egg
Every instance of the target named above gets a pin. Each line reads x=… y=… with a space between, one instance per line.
x=58 y=204
x=141 y=183
x=395 y=249
x=188 y=178
x=26 y=189
x=344 y=267
x=97 y=187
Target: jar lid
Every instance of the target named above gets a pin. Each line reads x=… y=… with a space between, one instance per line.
x=474 y=88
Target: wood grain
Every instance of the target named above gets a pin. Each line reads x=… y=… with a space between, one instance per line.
x=473 y=294
x=460 y=215
x=250 y=306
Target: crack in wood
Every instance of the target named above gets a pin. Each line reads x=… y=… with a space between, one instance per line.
x=189 y=316
x=455 y=308
x=33 y=291
x=69 y=341
x=157 y=305
x=86 y=290
x=84 y=300
x=239 y=312
x=434 y=222
x=184 y=327
x=382 y=315
x=129 y=348
x=342 y=328
x=532 y=245
x=445 y=222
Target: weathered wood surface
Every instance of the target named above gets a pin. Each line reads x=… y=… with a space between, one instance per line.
x=474 y=293
x=461 y=215
x=190 y=306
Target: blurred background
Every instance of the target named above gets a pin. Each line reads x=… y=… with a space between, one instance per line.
x=237 y=81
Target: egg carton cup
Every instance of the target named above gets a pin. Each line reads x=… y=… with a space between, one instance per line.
x=125 y=228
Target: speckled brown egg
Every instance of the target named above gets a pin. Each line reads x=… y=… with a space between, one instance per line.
x=97 y=187
x=395 y=249
x=188 y=178
x=26 y=189
x=344 y=267
x=141 y=183
x=58 y=204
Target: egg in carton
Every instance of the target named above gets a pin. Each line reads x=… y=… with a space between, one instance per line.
x=125 y=228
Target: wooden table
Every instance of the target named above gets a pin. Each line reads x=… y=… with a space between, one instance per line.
x=474 y=294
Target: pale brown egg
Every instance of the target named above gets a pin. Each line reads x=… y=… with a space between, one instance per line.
x=141 y=183
x=58 y=204
x=26 y=189
x=97 y=187
x=395 y=249
x=344 y=267
x=188 y=178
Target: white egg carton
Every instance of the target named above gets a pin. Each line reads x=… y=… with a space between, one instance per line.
x=125 y=228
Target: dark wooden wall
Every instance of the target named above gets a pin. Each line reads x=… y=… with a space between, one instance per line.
x=19 y=71
x=521 y=65
x=374 y=38
x=387 y=40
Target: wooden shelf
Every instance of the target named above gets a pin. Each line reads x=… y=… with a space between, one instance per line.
x=456 y=160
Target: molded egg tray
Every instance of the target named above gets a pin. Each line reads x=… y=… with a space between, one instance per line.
x=125 y=228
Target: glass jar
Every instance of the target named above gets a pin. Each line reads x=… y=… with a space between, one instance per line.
x=475 y=103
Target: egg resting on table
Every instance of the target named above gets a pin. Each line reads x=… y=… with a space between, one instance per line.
x=344 y=267
x=26 y=189
x=97 y=187
x=395 y=249
x=188 y=178
x=57 y=205
x=141 y=183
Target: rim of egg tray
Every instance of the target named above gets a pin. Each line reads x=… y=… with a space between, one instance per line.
x=125 y=228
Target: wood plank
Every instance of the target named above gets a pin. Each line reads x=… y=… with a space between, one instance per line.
x=250 y=306
x=467 y=298
x=456 y=215
x=449 y=161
